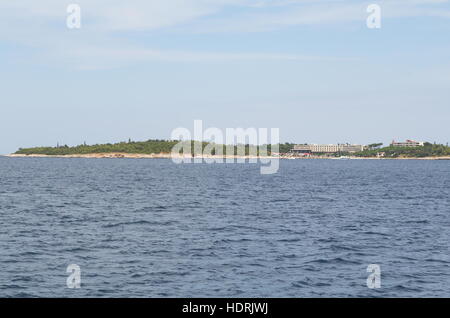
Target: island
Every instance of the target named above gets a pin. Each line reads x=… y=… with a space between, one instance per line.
x=155 y=148
x=152 y=148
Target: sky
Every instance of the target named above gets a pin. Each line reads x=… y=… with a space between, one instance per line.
x=141 y=68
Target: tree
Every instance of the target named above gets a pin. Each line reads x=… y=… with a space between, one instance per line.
x=375 y=146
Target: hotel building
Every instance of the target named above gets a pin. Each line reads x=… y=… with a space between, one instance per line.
x=407 y=143
x=313 y=148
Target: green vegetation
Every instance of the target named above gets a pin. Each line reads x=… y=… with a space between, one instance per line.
x=286 y=147
x=428 y=150
x=164 y=146
x=146 y=147
x=131 y=147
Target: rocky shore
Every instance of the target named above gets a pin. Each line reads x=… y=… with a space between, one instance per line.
x=169 y=156
x=129 y=155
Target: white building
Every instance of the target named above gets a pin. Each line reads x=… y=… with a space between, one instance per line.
x=313 y=148
x=407 y=143
x=351 y=148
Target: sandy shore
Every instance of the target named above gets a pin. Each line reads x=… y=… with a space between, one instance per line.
x=169 y=156
x=377 y=158
x=403 y=158
x=132 y=156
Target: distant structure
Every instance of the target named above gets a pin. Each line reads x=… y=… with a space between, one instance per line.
x=313 y=148
x=407 y=143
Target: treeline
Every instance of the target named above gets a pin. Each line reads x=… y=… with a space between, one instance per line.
x=143 y=147
x=428 y=150
x=156 y=146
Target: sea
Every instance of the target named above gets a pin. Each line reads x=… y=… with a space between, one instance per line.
x=153 y=228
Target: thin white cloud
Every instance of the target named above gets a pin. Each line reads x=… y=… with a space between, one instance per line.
x=115 y=15
x=41 y=25
x=298 y=13
x=118 y=14
x=95 y=57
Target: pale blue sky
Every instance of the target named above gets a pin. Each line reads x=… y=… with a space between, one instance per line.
x=139 y=69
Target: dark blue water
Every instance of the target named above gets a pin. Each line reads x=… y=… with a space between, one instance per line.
x=150 y=228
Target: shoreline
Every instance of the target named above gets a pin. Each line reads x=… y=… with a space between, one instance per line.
x=118 y=155
x=169 y=156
